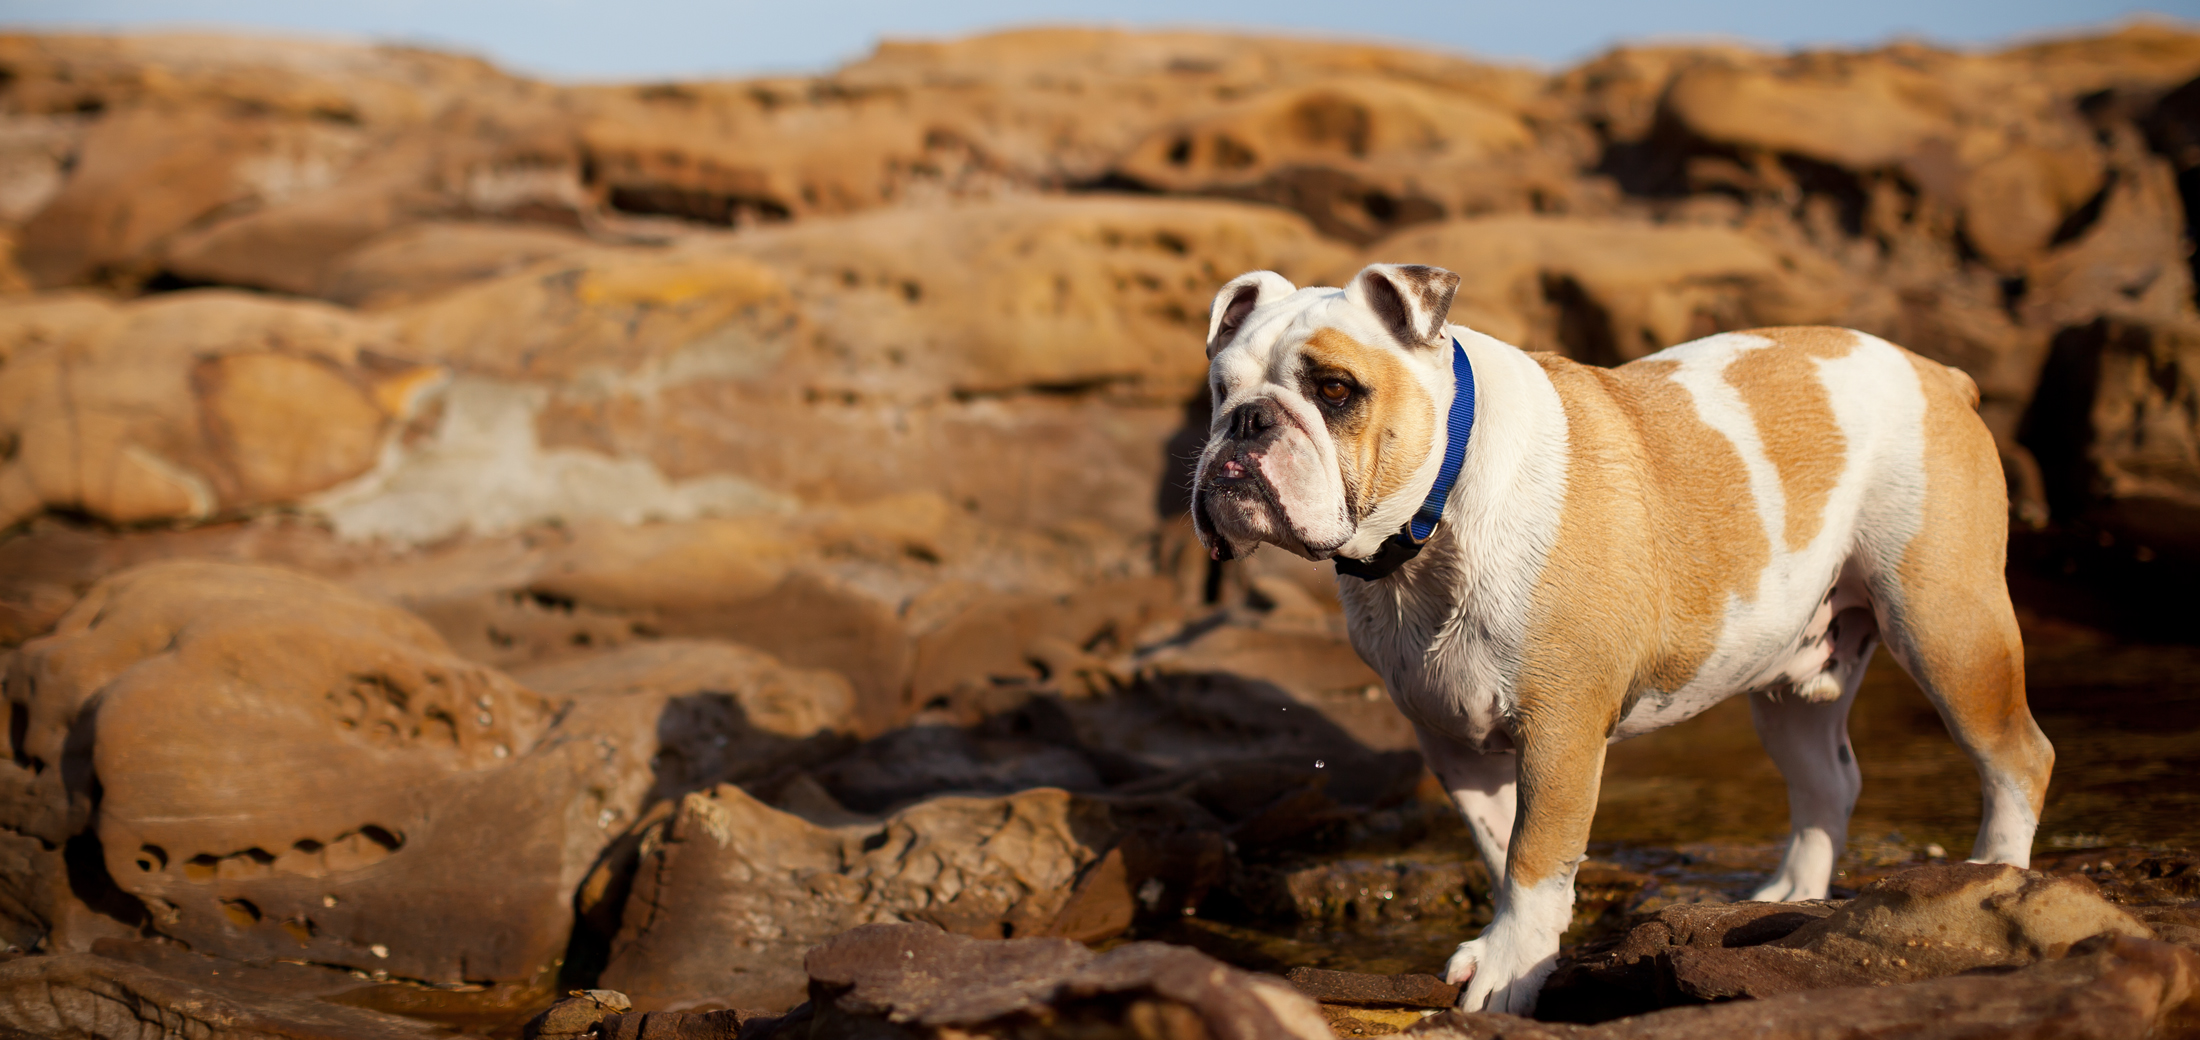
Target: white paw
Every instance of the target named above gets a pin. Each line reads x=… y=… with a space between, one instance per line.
x=1499 y=975
x=1778 y=890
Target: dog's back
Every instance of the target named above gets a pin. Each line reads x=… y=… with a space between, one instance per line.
x=1720 y=493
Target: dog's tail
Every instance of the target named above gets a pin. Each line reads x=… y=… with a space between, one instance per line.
x=1958 y=381
x=1966 y=386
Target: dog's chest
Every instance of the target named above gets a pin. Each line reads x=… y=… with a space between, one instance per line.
x=1449 y=660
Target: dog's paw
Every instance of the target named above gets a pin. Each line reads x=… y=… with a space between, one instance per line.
x=1496 y=975
x=1777 y=889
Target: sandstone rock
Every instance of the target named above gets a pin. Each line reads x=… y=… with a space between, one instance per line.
x=1607 y=293
x=417 y=261
x=734 y=888
x=2131 y=387
x=77 y=994
x=188 y=405
x=497 y=800
x=915 y=981
x=2114 y=987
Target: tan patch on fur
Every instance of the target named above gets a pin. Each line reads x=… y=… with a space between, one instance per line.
x=1382 y=445
x=1966 y=649
x=1658 y=530
x=1794 y=417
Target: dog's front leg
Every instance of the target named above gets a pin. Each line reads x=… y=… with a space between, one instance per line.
x=1561 y=764
x=1484 y=787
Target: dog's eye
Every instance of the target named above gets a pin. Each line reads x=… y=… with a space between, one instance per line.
x=1336 y=391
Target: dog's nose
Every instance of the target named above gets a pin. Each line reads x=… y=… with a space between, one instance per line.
x=1253 y=418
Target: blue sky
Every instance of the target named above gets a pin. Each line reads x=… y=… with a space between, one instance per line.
x=646 y=39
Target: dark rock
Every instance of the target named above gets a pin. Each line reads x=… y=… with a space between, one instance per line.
x=2110 y=988
x=1351 y=987
x=916 y=981
x=724 y=1024
x=1634 y=972
x=82 y=995
x=2130 y=874
x=1926 y=922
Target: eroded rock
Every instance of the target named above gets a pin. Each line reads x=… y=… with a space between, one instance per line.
x=735 y=889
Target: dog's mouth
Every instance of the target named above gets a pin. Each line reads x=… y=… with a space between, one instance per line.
x=1236 y=508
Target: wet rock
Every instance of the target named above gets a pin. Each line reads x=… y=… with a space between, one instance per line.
x=1345 y=987
x=1948 y=918
x=2111 y=987
x=726 y=1024
x=1641 y=970
x=577 y=1014
x=1926 y=922
x=916 y=981
x=77 y=994
x=2131 y=874
x=735 y=888
x=1355 y=892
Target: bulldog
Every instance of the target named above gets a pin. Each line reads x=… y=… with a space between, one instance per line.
x=1542 y=557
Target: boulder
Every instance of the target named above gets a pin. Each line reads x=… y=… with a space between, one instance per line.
x=733 y=889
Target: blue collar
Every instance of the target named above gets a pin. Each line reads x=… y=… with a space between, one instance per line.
x=1406 y=544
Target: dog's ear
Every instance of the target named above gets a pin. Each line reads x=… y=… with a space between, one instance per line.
x=1410 y=300
x=1237 y=299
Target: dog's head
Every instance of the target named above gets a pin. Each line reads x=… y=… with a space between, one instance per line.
x=1327 y=406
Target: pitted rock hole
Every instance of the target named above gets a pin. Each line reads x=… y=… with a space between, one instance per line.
x=306 y=857
x=241 y=912
x=388 y=714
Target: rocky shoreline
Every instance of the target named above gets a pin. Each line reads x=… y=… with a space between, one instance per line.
x=718 y=549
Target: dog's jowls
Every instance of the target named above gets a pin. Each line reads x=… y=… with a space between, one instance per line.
x=1749 y=513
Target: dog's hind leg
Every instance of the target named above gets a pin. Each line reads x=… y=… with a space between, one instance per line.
x=1944 y=611
x=1962 y=646
x=1809 y=741
x=1485 y=787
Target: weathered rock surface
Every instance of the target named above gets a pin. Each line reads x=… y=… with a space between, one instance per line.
x=733 y=890
x=237 y=709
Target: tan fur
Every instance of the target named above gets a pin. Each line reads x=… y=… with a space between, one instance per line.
x=1794 y=419
x=1658 y=530
x=1970 y=659
x=1379 y=447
